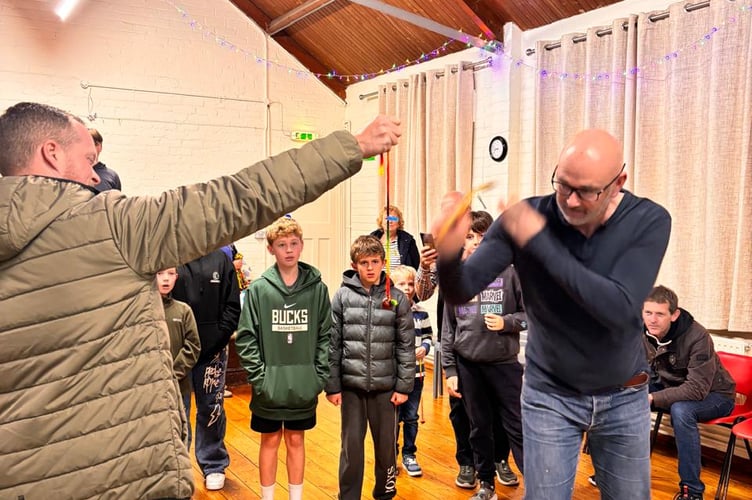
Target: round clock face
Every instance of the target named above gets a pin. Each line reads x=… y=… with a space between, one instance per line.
x=498 y=148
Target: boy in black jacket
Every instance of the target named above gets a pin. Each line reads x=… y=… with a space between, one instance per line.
x=480 y=344
x=209 y=285
x=370 y=337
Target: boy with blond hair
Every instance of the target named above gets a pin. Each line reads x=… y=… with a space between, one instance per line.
x=404 y=280
x=282 y=342
x=372 y=367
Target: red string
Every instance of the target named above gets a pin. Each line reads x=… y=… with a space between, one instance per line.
x=388 y=299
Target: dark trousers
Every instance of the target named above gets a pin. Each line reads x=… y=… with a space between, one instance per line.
x=492 y=391
x=408 y=415
x=208 y=381
x=461 y=426
x=374 y=409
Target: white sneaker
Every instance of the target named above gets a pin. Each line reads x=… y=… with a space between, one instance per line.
x=215 y=481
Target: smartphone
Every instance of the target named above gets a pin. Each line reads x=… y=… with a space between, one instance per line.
x=427 y=239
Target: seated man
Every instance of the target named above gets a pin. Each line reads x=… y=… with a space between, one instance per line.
x=689 y=380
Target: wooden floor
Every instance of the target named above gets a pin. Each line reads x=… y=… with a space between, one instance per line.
x=435 y=454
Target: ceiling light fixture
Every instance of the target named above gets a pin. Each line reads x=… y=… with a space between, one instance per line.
x=64 y=8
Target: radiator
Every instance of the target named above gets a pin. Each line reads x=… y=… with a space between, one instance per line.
x=734 y=345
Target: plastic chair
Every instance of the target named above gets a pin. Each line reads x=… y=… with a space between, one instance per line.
x=740 y=368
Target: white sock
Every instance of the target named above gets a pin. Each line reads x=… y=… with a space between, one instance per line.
x=267 y=492
x=296 y=491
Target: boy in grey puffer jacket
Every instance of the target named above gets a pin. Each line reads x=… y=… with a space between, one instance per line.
x=372 y=367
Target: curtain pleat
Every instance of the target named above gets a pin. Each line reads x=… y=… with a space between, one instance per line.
x=435 y=153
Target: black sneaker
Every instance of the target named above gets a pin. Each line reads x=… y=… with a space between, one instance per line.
x=505 y=475
x=685 y=494
x=466 y=478
x=486 y=492
x=591 y=480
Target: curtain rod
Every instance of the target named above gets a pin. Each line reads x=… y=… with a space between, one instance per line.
x=690 y=7
x=475 y=66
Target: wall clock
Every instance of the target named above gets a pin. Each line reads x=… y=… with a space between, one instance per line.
x=498 y=148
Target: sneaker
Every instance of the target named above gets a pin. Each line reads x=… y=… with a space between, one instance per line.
x=505 y=475
x=227 y=394
x=685 y=494
x=215 y=481
x=486 y=492
x=411 y=466
x=466 y=478
x=591 y=480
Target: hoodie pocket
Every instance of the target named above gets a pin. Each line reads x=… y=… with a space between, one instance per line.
x=290 y=386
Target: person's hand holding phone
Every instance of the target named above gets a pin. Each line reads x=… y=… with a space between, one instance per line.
x=428 y=253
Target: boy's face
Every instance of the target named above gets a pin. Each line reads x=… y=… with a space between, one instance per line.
x=166 y=280
x=286 y=250
x=369 y=269
x=405 y=284
x=472 y=240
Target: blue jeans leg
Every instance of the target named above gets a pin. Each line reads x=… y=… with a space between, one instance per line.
x=211 y=421
x=618 y=426
x=684 y=418
x=408 y=415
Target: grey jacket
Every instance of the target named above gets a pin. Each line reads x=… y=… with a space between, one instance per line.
x=371 y=349
x=89 y=404
x=464 y=330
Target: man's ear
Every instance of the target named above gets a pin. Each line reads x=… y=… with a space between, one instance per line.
x=52 y=154
x=675 y=315
x=354 y=265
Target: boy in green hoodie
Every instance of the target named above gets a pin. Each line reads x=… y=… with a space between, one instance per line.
x=282 y=342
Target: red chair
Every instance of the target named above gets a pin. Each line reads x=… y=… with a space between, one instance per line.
x=740 y=368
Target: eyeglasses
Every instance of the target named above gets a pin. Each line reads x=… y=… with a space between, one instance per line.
x=585 y=194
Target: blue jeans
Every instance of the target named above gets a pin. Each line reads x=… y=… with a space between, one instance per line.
x=408 y=415
x=684 y=418
x=208 y=381
x=618 y=427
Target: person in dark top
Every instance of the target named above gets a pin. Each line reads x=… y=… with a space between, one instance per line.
x=587 y=256
x=209 y=285
x=688 y=380
x=402 y=247
x=108 y=178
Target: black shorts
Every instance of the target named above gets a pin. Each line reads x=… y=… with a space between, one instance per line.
x=268 y=426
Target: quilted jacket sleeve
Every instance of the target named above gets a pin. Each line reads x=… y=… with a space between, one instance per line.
x=183 y=224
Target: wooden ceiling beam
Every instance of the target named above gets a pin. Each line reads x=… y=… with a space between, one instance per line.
x=294 y=48
x=421 y=21
x=298 y=13
x=249 y=8
x=487 y=32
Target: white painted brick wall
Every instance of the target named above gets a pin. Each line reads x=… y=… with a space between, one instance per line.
x=156 y=140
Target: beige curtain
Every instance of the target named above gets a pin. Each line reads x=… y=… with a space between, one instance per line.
x=581 y=85
x=693 y=152
x=686 y=122
x=435 y=152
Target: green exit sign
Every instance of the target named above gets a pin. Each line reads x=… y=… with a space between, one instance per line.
x=304 y=136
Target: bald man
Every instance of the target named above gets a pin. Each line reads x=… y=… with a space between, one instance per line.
x=587 y=256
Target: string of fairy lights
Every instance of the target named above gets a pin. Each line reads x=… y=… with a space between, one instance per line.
x=492 y=47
